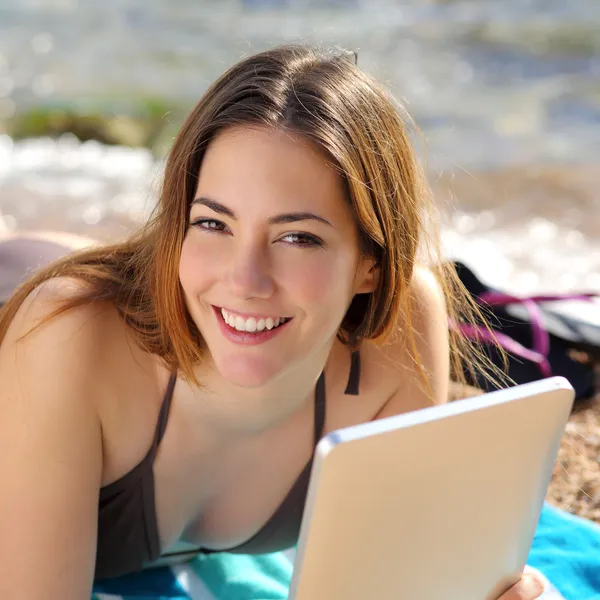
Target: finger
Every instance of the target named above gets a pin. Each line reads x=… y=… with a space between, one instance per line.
x=528 y=587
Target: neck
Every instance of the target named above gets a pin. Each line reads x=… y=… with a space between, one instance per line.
x=248 y=411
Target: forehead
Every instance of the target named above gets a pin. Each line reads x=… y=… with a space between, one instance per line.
x=268 y=165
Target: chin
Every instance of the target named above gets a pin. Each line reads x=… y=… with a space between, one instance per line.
x=242 y=363
x=246 y=373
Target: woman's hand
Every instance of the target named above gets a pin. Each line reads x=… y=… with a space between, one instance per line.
x=529 y=587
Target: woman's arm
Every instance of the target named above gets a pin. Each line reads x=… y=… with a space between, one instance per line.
x=50 y=454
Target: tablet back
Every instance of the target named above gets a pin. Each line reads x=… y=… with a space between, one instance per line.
x=438 y=503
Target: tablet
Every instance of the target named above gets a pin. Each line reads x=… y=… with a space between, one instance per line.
x=440 y=503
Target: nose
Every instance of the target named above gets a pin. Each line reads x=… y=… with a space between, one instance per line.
x=250 y=274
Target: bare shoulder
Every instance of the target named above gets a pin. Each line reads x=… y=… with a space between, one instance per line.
x=45 y=327
x=86 y=349
x=426 y=290
x=415 y=373
x=46 y=358
x=41 y=323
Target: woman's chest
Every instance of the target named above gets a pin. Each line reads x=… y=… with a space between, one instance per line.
x=219 y=496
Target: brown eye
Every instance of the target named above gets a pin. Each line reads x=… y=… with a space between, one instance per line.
x=302 y=239
x=208 y=224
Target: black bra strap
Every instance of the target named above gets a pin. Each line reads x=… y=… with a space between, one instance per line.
x=320 y=408
x=163 y=416
x=352 y=387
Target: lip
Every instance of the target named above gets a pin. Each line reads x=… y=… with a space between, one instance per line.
x=245 y=338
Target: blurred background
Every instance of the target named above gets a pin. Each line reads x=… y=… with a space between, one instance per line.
x=506 y=93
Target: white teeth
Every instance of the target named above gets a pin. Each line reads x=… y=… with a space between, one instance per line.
x=251 y=324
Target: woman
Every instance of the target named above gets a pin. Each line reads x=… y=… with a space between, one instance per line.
x=172 y=388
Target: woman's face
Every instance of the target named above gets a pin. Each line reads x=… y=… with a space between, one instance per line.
x=270 y=260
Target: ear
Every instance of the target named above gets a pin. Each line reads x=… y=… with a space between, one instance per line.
x=367 y=276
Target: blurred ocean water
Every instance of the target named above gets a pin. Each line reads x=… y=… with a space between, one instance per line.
x=493 y=84
x=489 y=81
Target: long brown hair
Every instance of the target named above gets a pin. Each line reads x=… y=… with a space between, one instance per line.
x=326 y=98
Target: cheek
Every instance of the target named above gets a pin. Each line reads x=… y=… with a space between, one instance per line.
x=185 y=270
x=193 y=267
x=321 y=282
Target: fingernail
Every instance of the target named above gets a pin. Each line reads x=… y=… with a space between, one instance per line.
x=531 y=587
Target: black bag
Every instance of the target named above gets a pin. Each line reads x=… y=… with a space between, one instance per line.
x=539 y=341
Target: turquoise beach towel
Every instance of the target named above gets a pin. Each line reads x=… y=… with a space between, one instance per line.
x=566 y=549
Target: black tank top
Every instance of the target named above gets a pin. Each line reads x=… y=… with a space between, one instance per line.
x=127 y=528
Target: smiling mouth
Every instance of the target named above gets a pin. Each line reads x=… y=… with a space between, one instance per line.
x=252 y=324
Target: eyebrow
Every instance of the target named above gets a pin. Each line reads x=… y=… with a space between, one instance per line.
x=291 y=217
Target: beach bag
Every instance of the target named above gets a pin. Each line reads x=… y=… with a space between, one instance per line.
x=540 y=339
